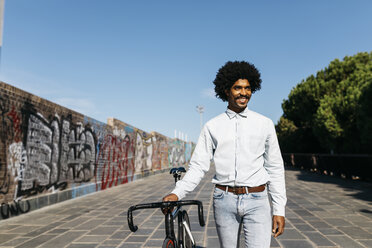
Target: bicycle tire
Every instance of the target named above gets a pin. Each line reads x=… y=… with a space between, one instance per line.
x=187 y=242
x=168 y=243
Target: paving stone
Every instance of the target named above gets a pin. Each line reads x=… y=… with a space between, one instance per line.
x=16 y=241
x=337 y=222
x=90 y=245
x=303 y=213
x=115 y=223
x=319 y=239
x=103 y=230
x=291 y=234
x=90 y=224
x=58 y=231
x=41 y=230
x=141 y=239
x=314 y=209
x=355 y=218
x=158 y=234
x=154 y=243
x=63 y=240
x=344 y=242
x=91 y=239
x=213 y=242
x=289 y=225
x=25 y=229
x=198 y=237
x=321 y=214
x=35 y=241
x=112 y=242
x=7 y=228
x=355 y=232
x=6 y=237
x=368 y=229
x=367 y=243
x=295 y=244
x=197 y=228
x=71 y=217
x=313 y=219
x=120 y=235
x=75 y=222
x=365 y=223
x=304 y=228
x=296 y=220
x=143 y=231
x=212 y=232
x=131 y=245
x=330 y=231
x=319 y=224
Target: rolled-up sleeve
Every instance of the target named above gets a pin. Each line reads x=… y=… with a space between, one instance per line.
x=198 y=166
x=275 y=168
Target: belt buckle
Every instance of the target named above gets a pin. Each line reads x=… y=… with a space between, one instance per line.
x=233 y=190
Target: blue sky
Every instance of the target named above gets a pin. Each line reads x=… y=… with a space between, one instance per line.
x=150 y=63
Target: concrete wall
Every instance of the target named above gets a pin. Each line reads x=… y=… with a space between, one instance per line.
x=49 y=153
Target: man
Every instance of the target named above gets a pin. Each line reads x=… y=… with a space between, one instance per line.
x=249 y=166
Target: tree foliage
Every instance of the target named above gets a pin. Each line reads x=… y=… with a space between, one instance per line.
x=332 y=110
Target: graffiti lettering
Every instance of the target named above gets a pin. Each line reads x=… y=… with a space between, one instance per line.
x=143 y=157
x=56 y=154
x=16 y=124
x=5 y=130
x=176 y=153
x=115 y=164
x=7 y=209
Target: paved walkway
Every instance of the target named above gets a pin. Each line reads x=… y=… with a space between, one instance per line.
x=322 y=212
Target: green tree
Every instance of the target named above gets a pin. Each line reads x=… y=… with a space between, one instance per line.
x=330 y=111
x=364 y=117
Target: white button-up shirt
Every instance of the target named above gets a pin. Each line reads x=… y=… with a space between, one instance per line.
x=245 y=151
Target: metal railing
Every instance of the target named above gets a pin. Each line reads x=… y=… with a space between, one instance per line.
x=351 y=166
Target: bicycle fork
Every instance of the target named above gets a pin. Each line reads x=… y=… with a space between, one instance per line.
x=187 y=228
x=169 y=226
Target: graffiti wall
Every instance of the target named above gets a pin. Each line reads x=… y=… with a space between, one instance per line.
x=49 y=153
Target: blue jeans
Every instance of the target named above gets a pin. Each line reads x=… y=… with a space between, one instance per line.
x=251 y=210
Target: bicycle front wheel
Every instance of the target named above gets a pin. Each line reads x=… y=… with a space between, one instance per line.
x=187 y=239
x=168 y=243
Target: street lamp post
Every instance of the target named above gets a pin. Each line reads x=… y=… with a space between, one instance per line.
x=200 y=110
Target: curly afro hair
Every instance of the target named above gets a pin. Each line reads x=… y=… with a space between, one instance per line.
x=231 y=72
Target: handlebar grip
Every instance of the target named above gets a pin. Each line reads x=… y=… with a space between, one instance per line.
x=201 y=214
x=132 y=227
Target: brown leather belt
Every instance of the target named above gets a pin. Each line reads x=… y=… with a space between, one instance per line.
x=238 y=190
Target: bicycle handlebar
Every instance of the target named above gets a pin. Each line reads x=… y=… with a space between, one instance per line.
x=168 y=204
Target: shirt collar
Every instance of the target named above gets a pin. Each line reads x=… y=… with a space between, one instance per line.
x=231 y=114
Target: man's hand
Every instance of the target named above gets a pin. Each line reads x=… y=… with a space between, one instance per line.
x=278 y=225
x=170 y=197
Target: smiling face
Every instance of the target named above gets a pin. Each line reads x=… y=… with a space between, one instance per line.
x=239 y=95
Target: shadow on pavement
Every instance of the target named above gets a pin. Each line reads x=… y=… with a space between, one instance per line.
x=358 y=189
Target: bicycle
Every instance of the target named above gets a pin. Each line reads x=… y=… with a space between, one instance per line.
x=185 y=238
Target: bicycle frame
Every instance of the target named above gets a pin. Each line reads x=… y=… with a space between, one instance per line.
x=179 y=213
